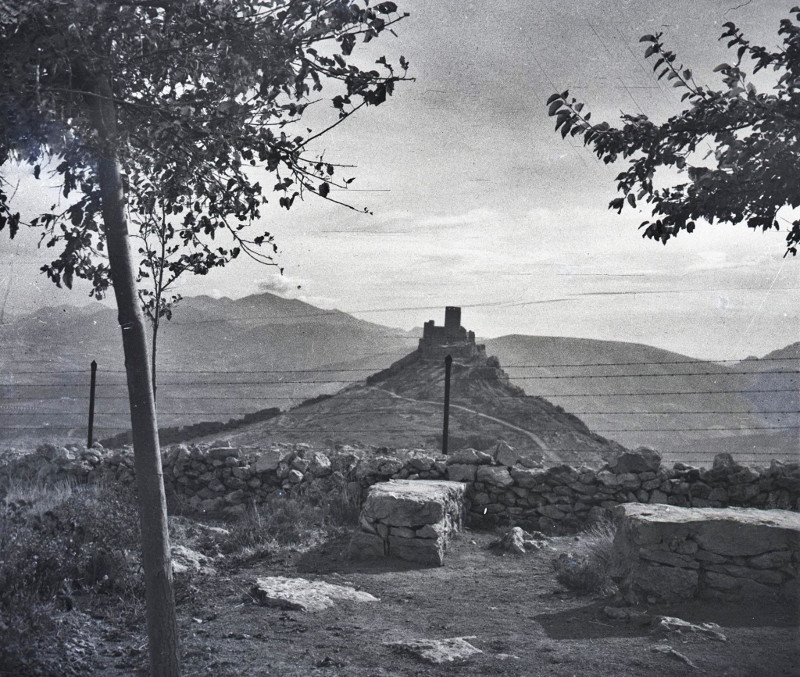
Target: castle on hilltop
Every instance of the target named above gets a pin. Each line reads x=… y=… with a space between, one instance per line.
x=451 y=339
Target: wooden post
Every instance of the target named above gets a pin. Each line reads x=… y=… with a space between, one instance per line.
x=448 y=363
x=91 y=405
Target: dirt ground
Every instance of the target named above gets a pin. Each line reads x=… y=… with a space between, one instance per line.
x=518 y=615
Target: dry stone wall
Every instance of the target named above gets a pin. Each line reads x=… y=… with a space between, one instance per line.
x=502 y=486
x=666 y=553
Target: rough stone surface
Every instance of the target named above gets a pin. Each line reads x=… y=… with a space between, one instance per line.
x=227 y=479
x=437 y=651
x=410 y=519
x=667 y=553
x=409 y=503
x=186 y=560
x=300 y=594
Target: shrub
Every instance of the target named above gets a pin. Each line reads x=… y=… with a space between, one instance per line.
x=56 y=540
x=587 y=570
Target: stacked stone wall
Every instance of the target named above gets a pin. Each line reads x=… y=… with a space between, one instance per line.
x=502 y=487
x=667 y=554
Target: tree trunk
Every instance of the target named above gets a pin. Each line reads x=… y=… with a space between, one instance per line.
x=161 y=624
x=153 y=355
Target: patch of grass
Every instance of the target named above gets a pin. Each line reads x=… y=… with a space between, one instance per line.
x=587 y=569
x=301 y=521
x=55 y=541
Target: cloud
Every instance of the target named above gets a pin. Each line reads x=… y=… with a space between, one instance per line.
x=282 y=285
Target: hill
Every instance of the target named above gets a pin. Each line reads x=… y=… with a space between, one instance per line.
x=402 y=406
x=639 y=395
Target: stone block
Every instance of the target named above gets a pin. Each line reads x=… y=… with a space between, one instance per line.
x=506 y=455
x=461 y=472
x=408 y=503
x=469 y=456
x=494 y=475
x=423 y=550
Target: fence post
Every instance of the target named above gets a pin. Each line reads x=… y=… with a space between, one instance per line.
x=448 y=362
x=91 y=404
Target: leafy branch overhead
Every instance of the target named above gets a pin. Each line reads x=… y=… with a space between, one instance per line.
x=203 y=91
x=736 y=149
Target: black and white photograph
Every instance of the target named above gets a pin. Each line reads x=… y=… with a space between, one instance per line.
x=351 y=338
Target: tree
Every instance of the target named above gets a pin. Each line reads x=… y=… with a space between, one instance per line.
x=739 y=146
x=164 y=258
x=138 y=105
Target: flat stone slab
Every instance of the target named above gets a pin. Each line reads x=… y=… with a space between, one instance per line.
x=300 y=594
x=437 y=651
x=736 y=532
x=413 y=503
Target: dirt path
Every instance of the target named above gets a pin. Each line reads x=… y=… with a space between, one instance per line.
x=525 y=624
x=547 y=454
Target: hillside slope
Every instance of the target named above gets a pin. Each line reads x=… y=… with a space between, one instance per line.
x=402 y=406
x=640 y=395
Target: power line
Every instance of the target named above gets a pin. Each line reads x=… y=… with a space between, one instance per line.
x=42 y=398
x=292 y=412
x=508 y=366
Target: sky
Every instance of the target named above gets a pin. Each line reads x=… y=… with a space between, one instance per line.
x=476 y=201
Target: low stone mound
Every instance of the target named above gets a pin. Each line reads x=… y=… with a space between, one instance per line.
x=409 y=519
x=666 y=553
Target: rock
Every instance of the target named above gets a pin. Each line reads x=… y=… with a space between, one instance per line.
x=319 y=465
x=411 y=503
x=642 y=459
x=670 y=625
x=506 y=455
x=461 y=472
x=185 y=560
x=469 y=457
x=222 y=449
x=300 y=594
x=380 y=466
x=365 y=545
x=725 y=462
x=527 y=478
x=427 y=551
x=516 y=541
x=437 y=651
x=494 y=475
x=268 y=461
x=295 y=476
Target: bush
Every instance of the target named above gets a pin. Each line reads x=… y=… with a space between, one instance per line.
x=588 y=569
x=65 y=538
x=56 y=540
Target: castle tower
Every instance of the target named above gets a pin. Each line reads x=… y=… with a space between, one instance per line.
x=452 y=322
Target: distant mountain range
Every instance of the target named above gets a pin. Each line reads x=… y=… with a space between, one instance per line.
x=639 y=395
x=222 y=358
